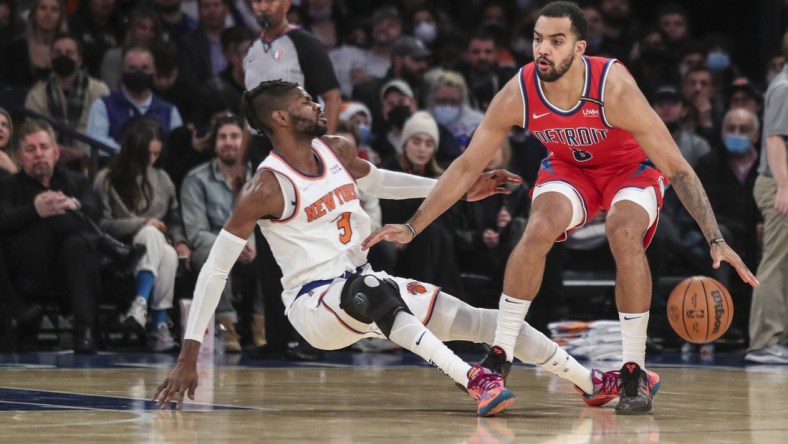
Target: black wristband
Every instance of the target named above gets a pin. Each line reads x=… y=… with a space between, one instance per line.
x=412 y=230
x=716 y=241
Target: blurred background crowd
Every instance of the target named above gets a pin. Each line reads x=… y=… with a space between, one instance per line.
x=122 y=149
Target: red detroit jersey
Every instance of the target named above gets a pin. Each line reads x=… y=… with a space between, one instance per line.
x=581 y=135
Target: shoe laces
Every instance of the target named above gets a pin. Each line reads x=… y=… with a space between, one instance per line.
x=486 y=381
x=610 y=383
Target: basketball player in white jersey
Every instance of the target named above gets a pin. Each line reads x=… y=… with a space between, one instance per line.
x=304 y=197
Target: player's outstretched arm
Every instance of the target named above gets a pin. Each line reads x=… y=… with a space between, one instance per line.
x=628 y=109
x=387 y=184
x=260 y=197
x=505 y=111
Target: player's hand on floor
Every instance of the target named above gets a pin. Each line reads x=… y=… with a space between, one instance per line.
x=181 y=380
x=493 y=182
x=390 y=232
x=723 y=252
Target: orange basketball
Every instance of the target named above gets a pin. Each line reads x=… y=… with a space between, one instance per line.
x=700 y=309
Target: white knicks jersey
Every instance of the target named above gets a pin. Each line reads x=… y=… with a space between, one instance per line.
x=319 y=235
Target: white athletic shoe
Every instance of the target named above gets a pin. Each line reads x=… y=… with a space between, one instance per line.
x=137 y=316
x=161 y=340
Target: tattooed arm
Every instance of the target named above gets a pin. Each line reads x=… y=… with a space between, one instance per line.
x=627 y=108
x=693 y=196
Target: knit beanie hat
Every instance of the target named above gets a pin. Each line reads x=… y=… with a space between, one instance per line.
x=349 y=109
x=421 y=122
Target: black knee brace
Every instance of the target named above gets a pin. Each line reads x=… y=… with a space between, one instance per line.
x=368 y=299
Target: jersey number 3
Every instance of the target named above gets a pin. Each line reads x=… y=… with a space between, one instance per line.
x=345 y=230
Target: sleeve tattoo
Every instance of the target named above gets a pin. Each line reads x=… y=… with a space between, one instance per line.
x=693 y=196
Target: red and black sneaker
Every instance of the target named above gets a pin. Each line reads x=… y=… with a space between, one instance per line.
x=634 y=390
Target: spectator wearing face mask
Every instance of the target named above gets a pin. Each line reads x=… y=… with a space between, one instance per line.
x=67 y=94
x=409 y=62
x=359 y=115
x=398 y=105
x=719 y=59
x=108 y=115
x=430 y=26
x=450 y=107
x=728 y=174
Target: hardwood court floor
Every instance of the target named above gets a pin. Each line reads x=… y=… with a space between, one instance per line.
x=364 y=400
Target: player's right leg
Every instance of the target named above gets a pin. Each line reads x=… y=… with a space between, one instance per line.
x=557 y=207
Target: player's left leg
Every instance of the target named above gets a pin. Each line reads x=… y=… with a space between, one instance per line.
x=340 y=314
x=633 y=213
x=372 y=299
x=455 y=320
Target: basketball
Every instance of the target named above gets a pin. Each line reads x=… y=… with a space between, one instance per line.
x=700 y=309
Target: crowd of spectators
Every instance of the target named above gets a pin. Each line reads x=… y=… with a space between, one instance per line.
x=159 y=84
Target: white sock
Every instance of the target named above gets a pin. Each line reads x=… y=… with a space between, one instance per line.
x=562 y=364
x=511 y=314
x=633 y=337
x=408 y=332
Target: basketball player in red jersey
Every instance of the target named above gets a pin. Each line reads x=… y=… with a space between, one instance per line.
x=607 y=150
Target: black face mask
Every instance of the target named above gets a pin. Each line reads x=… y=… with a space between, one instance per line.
x=63 y=65
x=137 y=82
x=398 y=115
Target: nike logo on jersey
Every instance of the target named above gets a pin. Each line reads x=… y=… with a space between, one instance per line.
x=539 y=116
x=512 y=301
x=629 y=318
x=418 y=341
x=292 y=202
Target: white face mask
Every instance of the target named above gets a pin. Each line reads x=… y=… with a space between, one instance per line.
x=446 y=114
x=426 y=32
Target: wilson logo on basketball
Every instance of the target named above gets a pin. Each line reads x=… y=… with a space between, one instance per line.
x=416 y=288
x=716 y=296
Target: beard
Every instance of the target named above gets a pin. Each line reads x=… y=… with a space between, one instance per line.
x=229 y=161
x=309 y=127
x=556 y=72
x=41 y=171
x=483 y=68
